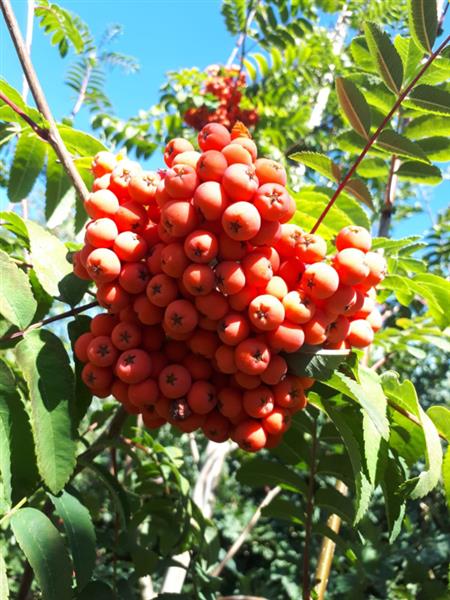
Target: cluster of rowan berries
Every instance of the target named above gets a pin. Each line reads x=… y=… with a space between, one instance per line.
x=207 y=285
x=225 y=83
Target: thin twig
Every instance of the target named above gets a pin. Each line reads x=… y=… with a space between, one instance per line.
x=194 y=448
x=70 y=313
x=380 y=128
x=13 y=510
x=40 y=131
x=309 y=515
x=242 y=36
x=101 y=443
x=26 y=581
x=28 y=42
x=391 y=187
x=82 y=93
x=54 y=138
x=234 y=548
x=327 y=550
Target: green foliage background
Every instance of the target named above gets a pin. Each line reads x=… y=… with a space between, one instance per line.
x=92 y=504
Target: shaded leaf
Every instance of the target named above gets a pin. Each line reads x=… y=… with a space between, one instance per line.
x=357 y=188
x=46 y=369
x=385 y=56
x=336 y=502
x=258 y=472
x=319 y=162
x=419 y=172
x=4 y=588
x=354 y=106
x=440 y=415
x=446 y=475
x=410 y=54
x=285 y=510
x=397 y=144
x=430 y=99
x=57 y=184
x=43 y=245
x=316 y=362
x=97 y=590
x=80 y=534
x=422 y=127
x=17 y=303
x=394 y=476
x=29 y=157
x=423 y=23
x=44 y=548
x=436 y=148
x=373 y=167
x=118 y=494
x=404 y=395
x=349 y=424
x=346 y=211
x=17 y=458
x=79 y=143
x=361 y=54
x=326 y=167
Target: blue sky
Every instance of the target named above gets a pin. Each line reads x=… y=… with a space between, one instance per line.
x=163 y=35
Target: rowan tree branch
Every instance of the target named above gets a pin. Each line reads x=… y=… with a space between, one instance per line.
x=388 y=207
x=327 y=550
x=235 y=547
x=309 y=516
x=380 y=128
x=242 y=36
x=54 y=137
x=69 y=313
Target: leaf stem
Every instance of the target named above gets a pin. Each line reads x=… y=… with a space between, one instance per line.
x=54 y=137
x=69 y=313
x=380 y=128
x=13 y=510
x=411 y=417
x=309 y=515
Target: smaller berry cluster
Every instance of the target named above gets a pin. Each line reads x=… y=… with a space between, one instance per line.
x=225 y=83
x=207 y=285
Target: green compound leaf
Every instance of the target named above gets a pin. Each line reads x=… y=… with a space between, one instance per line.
x=28 y=162
x=17 y=303
x=354 y=106
x=385 y=56
x=44 y=549
x=80 y=535
x=423 y=22
x=45 y=365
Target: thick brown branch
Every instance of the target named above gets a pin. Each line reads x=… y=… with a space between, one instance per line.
x=54 y=136
x=70 y=313
x=380 y=128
